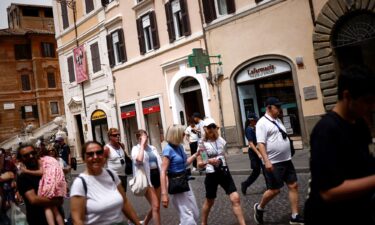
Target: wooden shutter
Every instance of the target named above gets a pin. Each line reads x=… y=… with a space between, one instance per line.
x=51 y=80
x=111 y=55
x=43 y=49
x=154 y=30
x=185 y=18
x=209 y=10
x=25 y=82
x=141 y=37
x=23 y=113
x=122 y=50
x=89 y=5
x=168 y=13
x=231 y=7
x=64 y=14
x=72 y=76
x=35 y=111
x=95 y=57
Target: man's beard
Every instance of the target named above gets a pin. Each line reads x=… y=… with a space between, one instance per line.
x=32 y=165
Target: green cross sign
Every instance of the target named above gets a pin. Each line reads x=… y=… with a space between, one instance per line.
x=199 y=59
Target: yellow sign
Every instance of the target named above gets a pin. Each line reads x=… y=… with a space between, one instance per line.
x=98 y=114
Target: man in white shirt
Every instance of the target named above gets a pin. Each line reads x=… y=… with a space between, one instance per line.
x=274 y=147
x=199 y=124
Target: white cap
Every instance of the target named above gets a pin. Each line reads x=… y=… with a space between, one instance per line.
x=208 y=121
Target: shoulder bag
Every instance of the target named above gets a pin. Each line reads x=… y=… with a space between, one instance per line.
x=139 y=184
x=284 y=135
x=178 y=182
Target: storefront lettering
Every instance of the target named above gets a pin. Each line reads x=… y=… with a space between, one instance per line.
x=262 y=71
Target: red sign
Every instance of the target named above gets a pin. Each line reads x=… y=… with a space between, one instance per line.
x=151 y=109
x=80 y=62
x=125 y=115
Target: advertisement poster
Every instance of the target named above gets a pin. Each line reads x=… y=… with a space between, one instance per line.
x=80 y=62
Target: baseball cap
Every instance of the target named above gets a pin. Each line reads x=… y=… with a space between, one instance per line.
x=273 y=101
x=252 y=116
x=208 y=121
x=59 y=138
x=197 y=114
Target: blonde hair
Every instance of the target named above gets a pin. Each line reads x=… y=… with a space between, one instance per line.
x=175 y=134
x=112 y=130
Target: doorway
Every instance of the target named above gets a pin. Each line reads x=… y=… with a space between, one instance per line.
x=192 y=97
x=129 y=122
x=153 y=122
x=99 y=126
x=80 y=139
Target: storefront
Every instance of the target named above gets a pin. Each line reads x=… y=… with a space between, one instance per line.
x=153 y=122
x=259 y=80
x=99 y=126
x=130 y=125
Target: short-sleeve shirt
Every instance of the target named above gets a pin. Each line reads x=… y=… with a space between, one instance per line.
x=339 y=151
x=213 y=149
x=177 y=158
x=34 y=213
x=277 y=148
x=193 y=137
x=104 y=201
x=250 y=135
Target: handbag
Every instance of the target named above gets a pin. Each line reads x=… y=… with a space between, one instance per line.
x=138 y=184
x=128 y=165
x=178 y=183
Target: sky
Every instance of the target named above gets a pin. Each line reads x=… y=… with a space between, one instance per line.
x=5 y=3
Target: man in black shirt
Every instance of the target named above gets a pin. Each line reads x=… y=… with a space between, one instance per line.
x=28 y=187
x=342 y=165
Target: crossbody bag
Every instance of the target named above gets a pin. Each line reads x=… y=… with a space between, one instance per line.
x=284 y=135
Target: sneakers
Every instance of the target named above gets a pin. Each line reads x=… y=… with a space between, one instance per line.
x=243 y=188
x=258 y=214
x=194 y=169
x=298 y=220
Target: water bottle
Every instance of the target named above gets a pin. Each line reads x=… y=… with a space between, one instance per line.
x=203 y=152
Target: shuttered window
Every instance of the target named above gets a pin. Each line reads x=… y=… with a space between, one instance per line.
x=148 y=33
x=89 y=5
x=177 y=19
x=51 y=79
x=48 y=49
x=54 y=108
x=64 y=14
x=25 y=82
x=214 y=8
x=95 y=57
x=116 y=47
x=22 y=51
x=72 y=76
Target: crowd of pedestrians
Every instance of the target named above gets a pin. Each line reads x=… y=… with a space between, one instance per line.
x=342 y=169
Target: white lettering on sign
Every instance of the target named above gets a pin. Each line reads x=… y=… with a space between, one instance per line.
x=262 y=71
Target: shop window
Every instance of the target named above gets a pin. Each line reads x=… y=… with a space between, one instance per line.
x=48 y=13
x=64 y=14
x=147 y=33
x=95 y=57
x=116 y=47
x=72 y=76
x=51 y=79
x=48 y=49
x=54 y=108
x=213 y=9
x=89 y=5
x=29 y=11
x=177 y=19
x=22 y=51
x=25 y=82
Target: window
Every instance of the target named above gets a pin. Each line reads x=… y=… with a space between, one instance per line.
x=64 y=14
x=214 y=8
x=22 y=51
x=34 y=12
x=48 y=49
x=54 y=108
x=89 y=5
x=147 y=33
x=106 y=2
x=29 y=111
x=25 y=82
x=177 y=19
x=95 y=57
x=116 y=47
x=48 y=13
x=51 y=79
x=72 y=76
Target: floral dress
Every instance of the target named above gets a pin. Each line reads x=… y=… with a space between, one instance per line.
x=53 y=182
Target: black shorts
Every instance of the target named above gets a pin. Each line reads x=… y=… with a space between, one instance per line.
x=213 y=180
x=282 y=172
x=155 y=178
x=124 y=181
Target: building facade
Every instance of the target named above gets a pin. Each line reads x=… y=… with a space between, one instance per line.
x=30 y=84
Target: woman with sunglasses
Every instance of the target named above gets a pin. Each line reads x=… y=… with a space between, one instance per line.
x=217 y=171
x=97 y=196
x=147 y=157
x=174 y=165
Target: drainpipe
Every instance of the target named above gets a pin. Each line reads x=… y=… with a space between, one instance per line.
x=312 y=12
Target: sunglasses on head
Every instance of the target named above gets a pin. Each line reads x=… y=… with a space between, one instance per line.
x=27 y=155
x=212 y=126
x=97 y=153
x=115 y=135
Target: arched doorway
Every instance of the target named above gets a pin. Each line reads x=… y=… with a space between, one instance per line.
x=99 y=126
x=191 y=93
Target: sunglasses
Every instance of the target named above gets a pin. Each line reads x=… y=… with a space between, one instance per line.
x=27 y=155
x=115 y=135
x=97 y=153
x=212 y=126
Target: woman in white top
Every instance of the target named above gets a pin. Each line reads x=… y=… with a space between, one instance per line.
x=97 y=198
x=147 y=156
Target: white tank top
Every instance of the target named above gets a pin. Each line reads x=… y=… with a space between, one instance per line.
x=115 y=157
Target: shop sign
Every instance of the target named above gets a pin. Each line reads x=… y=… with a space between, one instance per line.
x=262 y=69
x=99 y=114
x=151 y=109
x=129 y=114
x=9 y=106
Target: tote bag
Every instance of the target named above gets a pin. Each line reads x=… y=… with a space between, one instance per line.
x=138 y=184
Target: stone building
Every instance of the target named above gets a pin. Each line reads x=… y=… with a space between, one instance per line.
x=30 y=85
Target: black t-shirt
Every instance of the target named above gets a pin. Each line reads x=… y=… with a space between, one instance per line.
x=339 y=151
x=64 y=153
x=34 y=213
